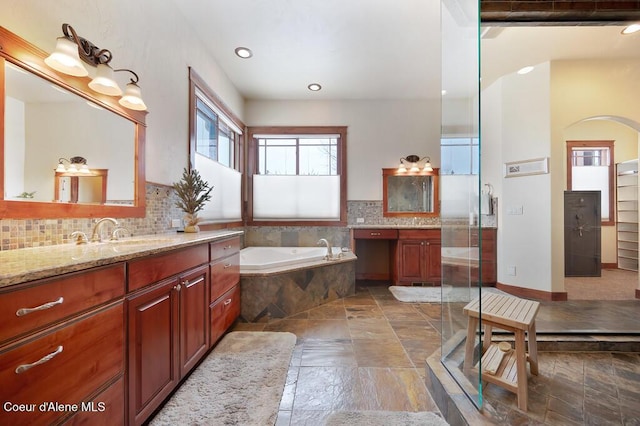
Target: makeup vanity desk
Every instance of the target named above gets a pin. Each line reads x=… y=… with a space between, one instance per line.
x=418 y=255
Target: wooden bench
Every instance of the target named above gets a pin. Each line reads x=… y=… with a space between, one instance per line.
x=506 y=313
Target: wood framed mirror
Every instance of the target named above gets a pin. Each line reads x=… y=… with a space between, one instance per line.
x=48 y=116
x=410 y=194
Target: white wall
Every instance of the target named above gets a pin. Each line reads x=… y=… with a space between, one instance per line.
x=14 y=148
x=379 y=133
x=149 y=37
x=516 y=126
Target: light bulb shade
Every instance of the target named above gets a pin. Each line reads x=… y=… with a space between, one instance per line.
x=61 y=168
x=84 y=169
x=414 y=168
x=132 y=98
x=72 y=168
x=66 y=58
x=427 y=167
x=104 y=82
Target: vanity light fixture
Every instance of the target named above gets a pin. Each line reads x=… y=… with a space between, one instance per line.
x=76 y=165
x=314 y=87
x=243 y=52
x=415 y=163
x=72 y=50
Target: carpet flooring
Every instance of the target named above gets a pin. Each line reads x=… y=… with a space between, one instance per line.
x=385 y=418
x=410 y=294
x=240 y=383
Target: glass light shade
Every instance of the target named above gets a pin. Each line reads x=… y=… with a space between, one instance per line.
x=427 y=167
x=66 y=58
x=402 y=168
x=414 y=168
x=104 y=82
x=72 y=168
x=61 y=168
x=132 y=98
x=84 y=169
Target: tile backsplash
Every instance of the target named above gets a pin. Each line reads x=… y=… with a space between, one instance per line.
x=23 y=233
x=160 y=199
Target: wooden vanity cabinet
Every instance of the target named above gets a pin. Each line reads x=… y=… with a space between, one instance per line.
x=168 y=328
x=418 y=257
x=224 y=306
x=67 y=352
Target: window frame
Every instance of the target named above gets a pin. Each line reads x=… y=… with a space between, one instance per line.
x=252 y=169
x=197 y=84
x=611 y=170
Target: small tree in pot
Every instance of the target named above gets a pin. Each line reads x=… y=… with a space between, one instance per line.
x=193 y=193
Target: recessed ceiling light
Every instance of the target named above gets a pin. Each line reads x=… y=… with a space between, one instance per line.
x=525 y=70
x=314 y=87
x=633 y=28
x=444 y=92
x=244 y=52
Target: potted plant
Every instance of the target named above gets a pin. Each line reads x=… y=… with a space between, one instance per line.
x=193 y=192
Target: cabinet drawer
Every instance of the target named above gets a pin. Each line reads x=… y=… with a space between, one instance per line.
x=375 y=234
x=106 y=409
x=33 y=306
x=224 y=312
x=224 y=275
x=224 y=248
x=67 y=365
x=152 y=269
x=419 y=234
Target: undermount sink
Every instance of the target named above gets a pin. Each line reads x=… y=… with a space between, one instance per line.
x=140 y=241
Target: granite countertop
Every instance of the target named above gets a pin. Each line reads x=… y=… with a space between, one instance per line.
x=22 y=265
x=365 y=226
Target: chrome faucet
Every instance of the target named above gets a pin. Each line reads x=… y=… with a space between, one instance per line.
x=329 y=254
x=95 y=233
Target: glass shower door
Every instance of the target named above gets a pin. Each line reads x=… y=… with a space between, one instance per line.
x=460 y=188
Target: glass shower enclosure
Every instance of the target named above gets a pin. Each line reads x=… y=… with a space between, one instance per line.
x=460 y=188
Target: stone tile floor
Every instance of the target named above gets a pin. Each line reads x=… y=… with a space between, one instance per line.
x=368 y=351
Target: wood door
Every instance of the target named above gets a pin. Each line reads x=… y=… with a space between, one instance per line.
x=153 y=348
x=582 y=225
x=411 y=263
x=433 y=273
x=194 y=317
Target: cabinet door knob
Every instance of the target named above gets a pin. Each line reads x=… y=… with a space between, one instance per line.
x=24 y=311
x=24 y=367
x=177 y=287
x=421 y=243
x=227 y=265
x=226 y=302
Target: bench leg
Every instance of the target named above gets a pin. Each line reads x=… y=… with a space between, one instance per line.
x=472 y=325
x=533 y=349
x=521 y=365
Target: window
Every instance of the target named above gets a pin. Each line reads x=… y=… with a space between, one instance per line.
x=215 y=151
x=298 y=174
x=459 y=156
x=590 y=168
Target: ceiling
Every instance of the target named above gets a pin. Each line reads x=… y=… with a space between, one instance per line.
x=369 y=49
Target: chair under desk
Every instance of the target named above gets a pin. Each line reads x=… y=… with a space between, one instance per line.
x=506 y=313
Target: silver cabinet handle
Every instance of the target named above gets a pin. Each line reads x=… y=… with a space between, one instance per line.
x=24 y=311
x=227 y=247
x=228 y=265
x=177 y=287
x=375 y=234
x=24 y=367
x=226 y=302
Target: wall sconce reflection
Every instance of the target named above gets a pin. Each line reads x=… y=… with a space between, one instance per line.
x=74 y=165
x=415 y=164
x=70 y=53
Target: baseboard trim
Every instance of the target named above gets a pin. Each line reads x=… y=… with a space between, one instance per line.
x=529 y=293
x=609 y=266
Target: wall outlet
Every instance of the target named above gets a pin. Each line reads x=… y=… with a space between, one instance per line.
x=360 y=220
x=176 y=223
x=511 y=270
x=515 y=210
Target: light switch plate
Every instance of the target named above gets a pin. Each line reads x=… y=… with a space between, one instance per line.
x=360 y=220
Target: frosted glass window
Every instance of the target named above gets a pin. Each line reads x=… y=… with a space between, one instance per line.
x=594 y=178
x=296 y=197
x=225 y=204
x=459 y=156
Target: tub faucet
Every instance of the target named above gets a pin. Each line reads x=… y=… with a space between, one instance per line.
x=95 y=233
x=329 y=254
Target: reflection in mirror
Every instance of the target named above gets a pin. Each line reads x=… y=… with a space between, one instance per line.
x=410 y=193
x=44 y=123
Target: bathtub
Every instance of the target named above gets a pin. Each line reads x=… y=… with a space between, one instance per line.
x=264 y=258
x=278 y=282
